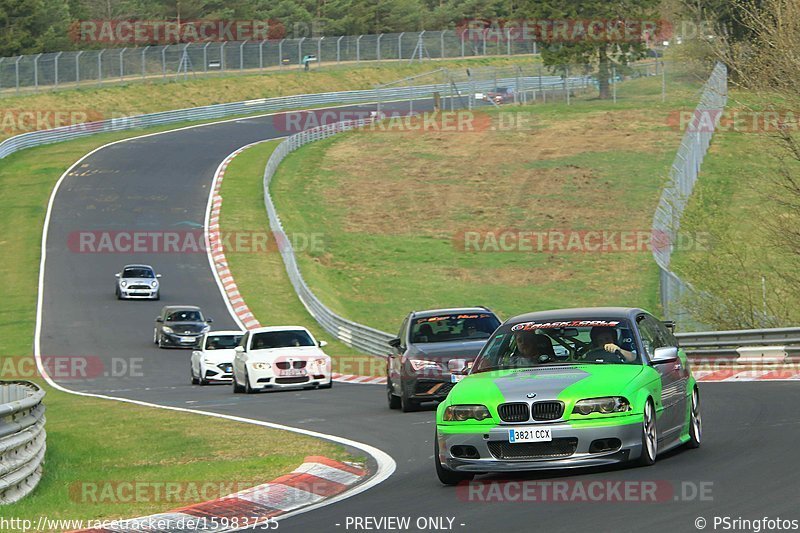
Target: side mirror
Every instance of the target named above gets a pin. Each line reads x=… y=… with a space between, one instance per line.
x=239 y=349
x=322 y=344
x=667 y=354
x=209 y=320
x=117 y=275
x=395 y=343
x=159 y=319
x=158 y=275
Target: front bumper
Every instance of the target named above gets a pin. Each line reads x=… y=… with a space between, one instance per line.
x=181 y=341
x=138 y=294
x=570 y=447
x=268 y=379
x=433 y=388
x=221 y=371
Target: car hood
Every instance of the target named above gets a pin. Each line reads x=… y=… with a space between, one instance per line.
x=219 y=356
x=292 y=352
x=138 y=281
x=188 y=328
x=447 y=350
x=555 y=382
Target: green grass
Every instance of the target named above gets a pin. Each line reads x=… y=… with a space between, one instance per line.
x=92 y=440
x=392 y=205
x=733 y=206
x=261 y=277
x=152 y=96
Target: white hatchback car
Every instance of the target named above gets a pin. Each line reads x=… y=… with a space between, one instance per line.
x=214 y=360
x=279 y=357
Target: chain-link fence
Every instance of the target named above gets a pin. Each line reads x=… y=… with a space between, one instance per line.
x=97 y=67
x=682 y=177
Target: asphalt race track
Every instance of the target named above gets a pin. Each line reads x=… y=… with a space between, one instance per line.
x=747 y=465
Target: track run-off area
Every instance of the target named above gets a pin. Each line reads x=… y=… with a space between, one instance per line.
x=745 y=468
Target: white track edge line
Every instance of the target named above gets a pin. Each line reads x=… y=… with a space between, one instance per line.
x=386 y=465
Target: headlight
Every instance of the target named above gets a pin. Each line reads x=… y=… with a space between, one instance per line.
x=420 y=364
x=460 y=413
x=206 y=328
x=261 y=366
x=154 y=284
x=607 y=405
x=123 y=283
x=166 y=329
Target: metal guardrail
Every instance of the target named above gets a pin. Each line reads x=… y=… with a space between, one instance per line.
x=264 y=105
x=675 y=196
x=363 y=338
x=22 y=439
x=725 y=344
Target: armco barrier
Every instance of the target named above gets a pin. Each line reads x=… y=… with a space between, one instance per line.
x=265 y=105
x=22 y=439
x=358 y=336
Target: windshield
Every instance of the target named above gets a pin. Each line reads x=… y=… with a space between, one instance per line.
x=138 y=272
x=185 y=316
x=281 y=339
x=453 y=327
x=222 y=342
x=532 y=344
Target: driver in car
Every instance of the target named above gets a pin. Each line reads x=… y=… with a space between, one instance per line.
x=604 y=340
x=532 y=349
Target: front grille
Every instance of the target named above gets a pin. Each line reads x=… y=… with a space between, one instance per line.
x=289 y=381
x=286 y=365
x=139 y=287
x=513 y=412
x=547 y=410
x=433 y=387
x=561 y=447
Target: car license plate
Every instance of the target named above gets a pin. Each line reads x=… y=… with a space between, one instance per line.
x=187 y=339
x=455 y=378
x=530 y=434
x=293 y=372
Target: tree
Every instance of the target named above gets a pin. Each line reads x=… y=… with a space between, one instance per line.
x=607 y=48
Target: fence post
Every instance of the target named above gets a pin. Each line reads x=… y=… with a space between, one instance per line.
x=614 y=83
x=319 y=50
x=261 y=55
x=78 y=68
x=2 y=59
x=378 y=48
x=508 y=41
x=300 y=51
x=280 y=52
x=241 y=55
x=100 y=66
x=566 y=82
x=222 y=56
x=36 y=72
x=164 y=61
x=184 y=61
x=358 y=49
x=16 y=71
x=462 y=41
x=144 y=60
x=441 y=42
x=400 y=45
x=663 y=83
x=338 y=48
x=122 y=63
x=484 y=40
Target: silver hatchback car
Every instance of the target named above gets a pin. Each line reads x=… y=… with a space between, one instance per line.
x=138 y=282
